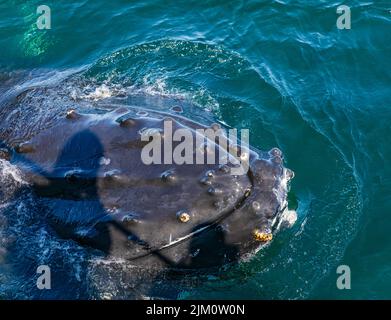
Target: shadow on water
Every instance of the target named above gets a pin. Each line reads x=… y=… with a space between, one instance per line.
x=74 y=184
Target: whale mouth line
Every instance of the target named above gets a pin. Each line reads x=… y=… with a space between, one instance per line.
x=197 y=233
x=205 y=226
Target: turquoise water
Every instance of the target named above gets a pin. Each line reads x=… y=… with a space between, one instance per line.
x=279 y=68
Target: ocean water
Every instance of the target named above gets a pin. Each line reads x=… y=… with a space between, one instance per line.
x=281 y=69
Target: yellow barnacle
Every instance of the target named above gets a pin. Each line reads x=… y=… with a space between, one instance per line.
x=183 y=217
x=262 y=236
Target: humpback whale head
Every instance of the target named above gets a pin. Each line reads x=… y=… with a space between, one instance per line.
x=90 y=170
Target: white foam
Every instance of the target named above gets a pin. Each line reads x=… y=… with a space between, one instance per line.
x=101 y=92
x=287 y=218
x=11 y=172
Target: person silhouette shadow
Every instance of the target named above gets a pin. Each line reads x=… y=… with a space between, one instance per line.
x=70 y=190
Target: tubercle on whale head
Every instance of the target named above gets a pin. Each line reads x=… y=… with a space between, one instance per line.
x=5 y=154
x=71 y=114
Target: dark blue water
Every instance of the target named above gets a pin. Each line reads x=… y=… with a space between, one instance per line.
x=279 y=68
